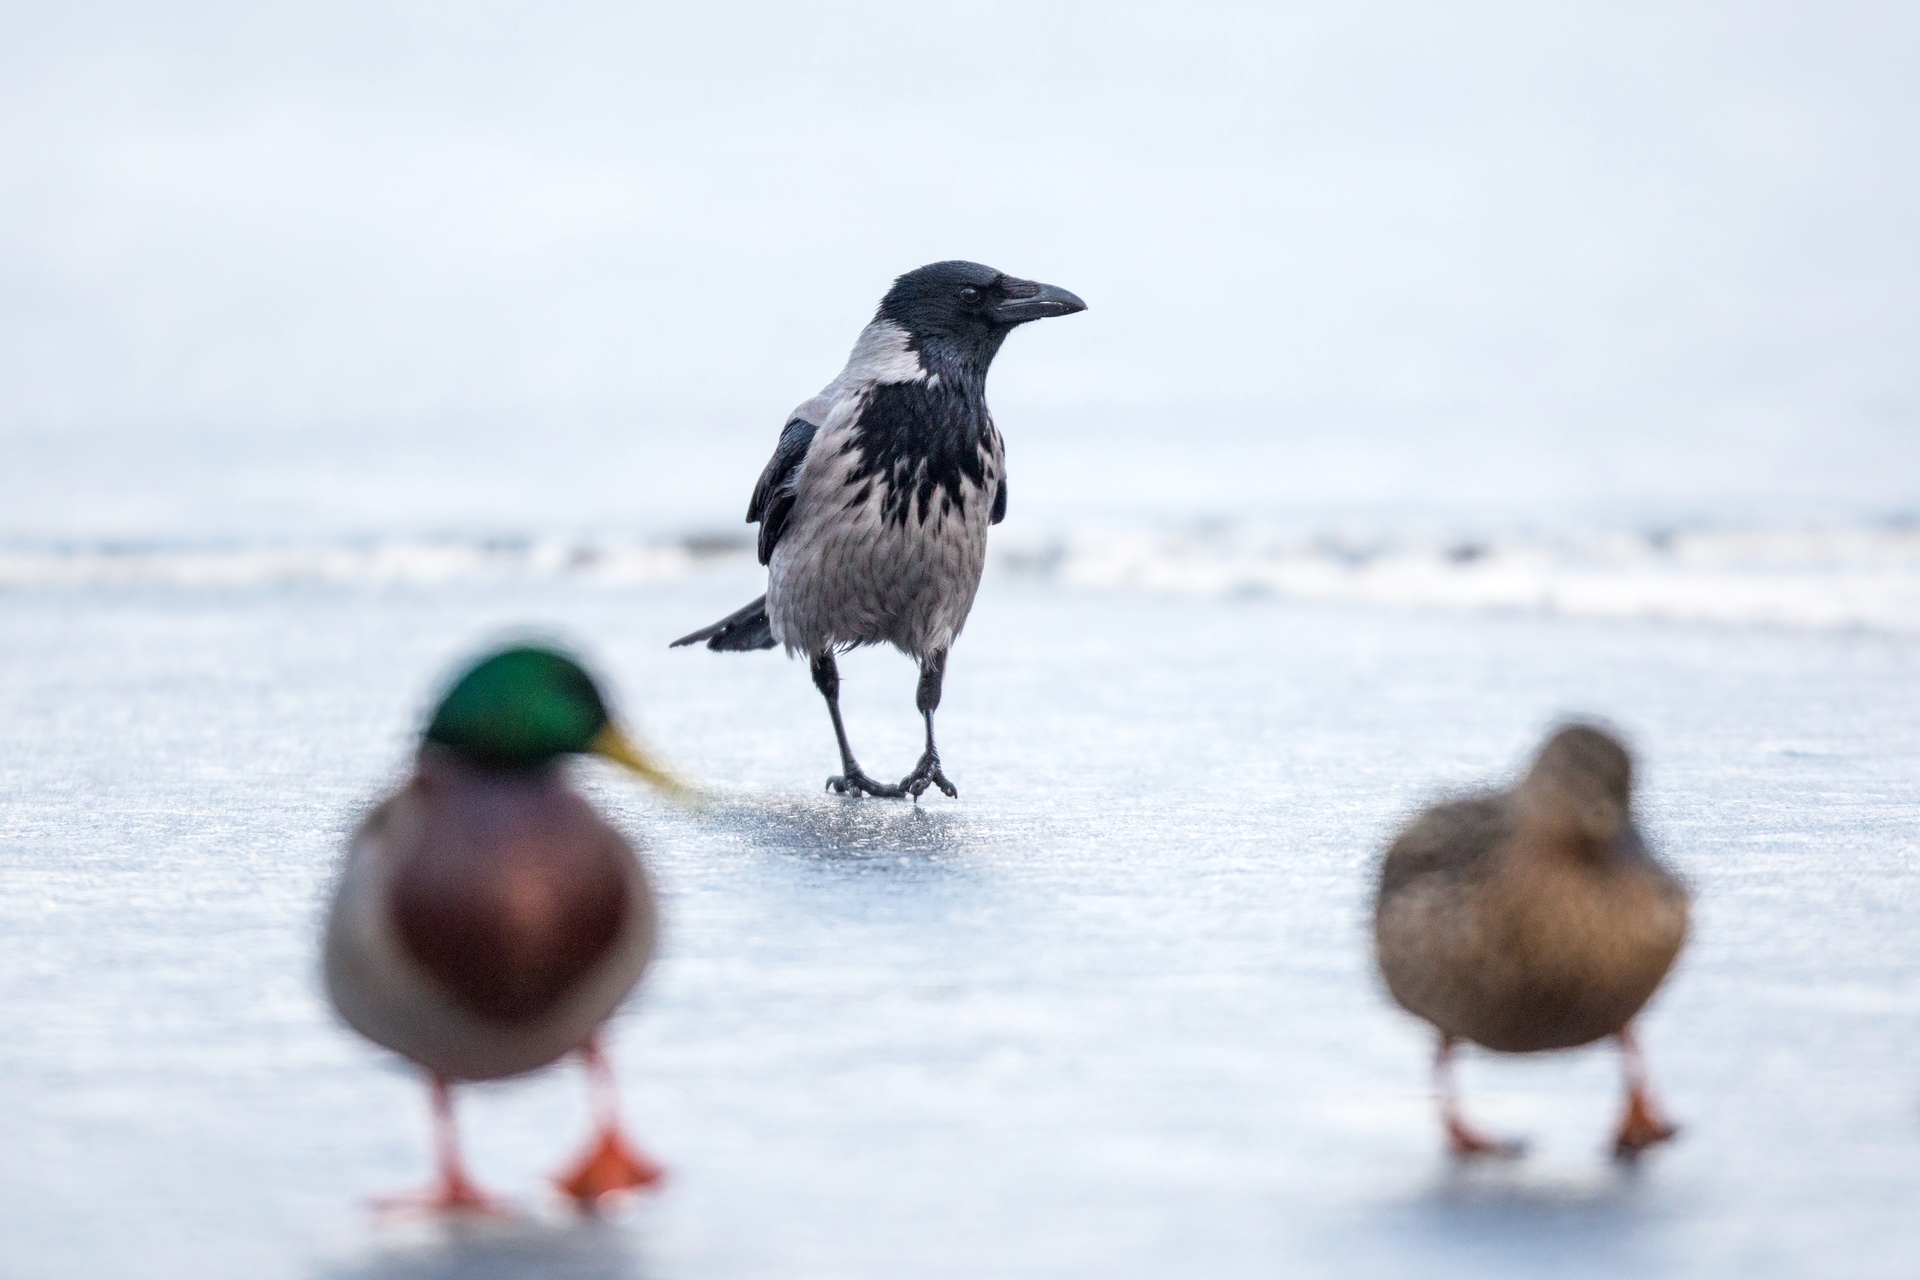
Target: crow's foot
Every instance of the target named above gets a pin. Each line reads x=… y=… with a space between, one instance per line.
x=854 y=783
x=927 y=774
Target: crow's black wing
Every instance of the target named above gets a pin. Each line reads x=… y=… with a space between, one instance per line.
x=999 y=502
x=773 y=496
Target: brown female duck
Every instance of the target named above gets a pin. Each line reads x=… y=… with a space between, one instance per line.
x=1533 y=919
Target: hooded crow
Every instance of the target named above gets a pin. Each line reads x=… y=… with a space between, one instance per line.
x=873 y=513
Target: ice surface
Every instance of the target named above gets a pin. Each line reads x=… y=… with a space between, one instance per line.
x=1109 y=1014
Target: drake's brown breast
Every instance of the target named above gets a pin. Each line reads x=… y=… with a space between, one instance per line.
x=512 y=890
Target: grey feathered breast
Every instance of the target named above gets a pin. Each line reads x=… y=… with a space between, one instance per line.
x=874 y=509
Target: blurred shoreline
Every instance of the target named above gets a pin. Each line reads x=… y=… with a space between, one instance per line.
x=1861 y=575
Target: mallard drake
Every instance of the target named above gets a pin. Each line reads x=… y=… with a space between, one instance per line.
x=487 y=920
x=1532 y=919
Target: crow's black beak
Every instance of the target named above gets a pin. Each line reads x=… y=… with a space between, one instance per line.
x=1030 y=300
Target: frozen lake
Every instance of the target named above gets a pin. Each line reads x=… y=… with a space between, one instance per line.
x=1446 y=370
x=1109 y=1014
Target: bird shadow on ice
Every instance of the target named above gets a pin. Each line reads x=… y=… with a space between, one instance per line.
x=841 y=829
x=1524 y=1216
x=517 y=1249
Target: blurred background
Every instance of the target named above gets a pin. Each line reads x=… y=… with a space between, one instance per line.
x=363 y=270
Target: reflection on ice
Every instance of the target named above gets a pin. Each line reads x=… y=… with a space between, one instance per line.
x=1484 y=1187
x=1518 y=1218
x=841 y=828
x=519 y=1249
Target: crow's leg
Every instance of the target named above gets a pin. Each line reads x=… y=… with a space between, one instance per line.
x=927 y=772
x=851 y=779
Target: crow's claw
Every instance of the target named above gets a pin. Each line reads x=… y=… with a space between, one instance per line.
x=855 y=783
x=925 y=774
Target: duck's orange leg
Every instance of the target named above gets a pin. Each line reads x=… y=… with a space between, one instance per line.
x=1463 y=1141
x=1643 y=1125
x=613 y=1163
x=455 y=1192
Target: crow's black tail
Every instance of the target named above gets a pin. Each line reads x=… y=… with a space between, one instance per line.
x=743 y=629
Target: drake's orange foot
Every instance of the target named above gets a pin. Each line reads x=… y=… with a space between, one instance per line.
x=1464 y=1143
x=455 y=1196
x=1643 y=1126
x=613 y=1165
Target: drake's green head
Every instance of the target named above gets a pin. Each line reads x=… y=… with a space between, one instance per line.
x=527 y=705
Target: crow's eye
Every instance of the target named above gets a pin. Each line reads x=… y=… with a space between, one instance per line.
x=969 y=295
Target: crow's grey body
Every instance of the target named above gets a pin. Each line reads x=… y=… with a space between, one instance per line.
x=847 y=570
x=874 y=509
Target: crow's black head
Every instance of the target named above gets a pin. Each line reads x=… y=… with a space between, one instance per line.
x=967 y=310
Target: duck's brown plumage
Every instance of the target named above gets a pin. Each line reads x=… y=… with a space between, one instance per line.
x=512 y=889
x=487 y=920
x=1533 y=918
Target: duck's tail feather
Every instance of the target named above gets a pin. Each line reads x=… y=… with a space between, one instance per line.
x=742 y=629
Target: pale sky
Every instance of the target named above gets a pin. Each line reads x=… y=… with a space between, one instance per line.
x=1689 y=221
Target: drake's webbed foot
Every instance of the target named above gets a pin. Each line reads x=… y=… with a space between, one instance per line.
x=612 y=1165
x=453 y=1197
x=854 y=782
x=927 y=774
